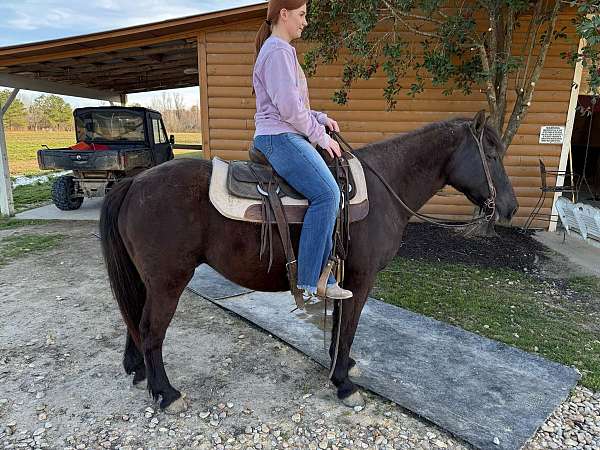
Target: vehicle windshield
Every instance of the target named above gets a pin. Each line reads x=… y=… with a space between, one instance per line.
x=110 y=126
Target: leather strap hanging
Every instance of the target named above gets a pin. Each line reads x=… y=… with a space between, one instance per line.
x=275 y=207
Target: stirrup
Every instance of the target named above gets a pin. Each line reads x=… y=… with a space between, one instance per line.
x=322 y=283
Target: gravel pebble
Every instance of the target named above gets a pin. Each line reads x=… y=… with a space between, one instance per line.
x=576 y=423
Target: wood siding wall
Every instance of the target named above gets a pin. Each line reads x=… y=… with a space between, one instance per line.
x=230 y=109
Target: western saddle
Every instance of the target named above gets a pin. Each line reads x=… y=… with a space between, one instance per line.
x=269 y=200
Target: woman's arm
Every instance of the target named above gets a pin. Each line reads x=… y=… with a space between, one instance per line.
x=320 y=116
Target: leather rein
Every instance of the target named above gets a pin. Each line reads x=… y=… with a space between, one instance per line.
x=489 y=204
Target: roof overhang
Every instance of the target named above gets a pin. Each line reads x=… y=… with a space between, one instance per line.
x=161 y=55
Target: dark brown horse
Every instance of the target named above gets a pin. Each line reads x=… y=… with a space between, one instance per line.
x=158 y=227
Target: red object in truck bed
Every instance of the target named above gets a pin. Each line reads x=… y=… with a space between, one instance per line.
x=85 y=146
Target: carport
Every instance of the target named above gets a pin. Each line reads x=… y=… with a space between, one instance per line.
x=109 y=65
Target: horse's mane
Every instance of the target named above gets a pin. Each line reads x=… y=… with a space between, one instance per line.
x=397 y=142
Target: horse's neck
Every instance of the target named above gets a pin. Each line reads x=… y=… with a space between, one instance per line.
x=413 y=165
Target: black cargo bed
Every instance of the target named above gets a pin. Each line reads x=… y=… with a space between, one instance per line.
x=121 y=159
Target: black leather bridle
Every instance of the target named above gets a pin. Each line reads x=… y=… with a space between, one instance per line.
x=489 y=205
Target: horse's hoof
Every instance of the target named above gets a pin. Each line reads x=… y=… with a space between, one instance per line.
x=178 y=406
x=354 y=372
x=354 y=400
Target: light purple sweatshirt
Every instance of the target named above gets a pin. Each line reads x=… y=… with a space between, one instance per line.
x=282 y=104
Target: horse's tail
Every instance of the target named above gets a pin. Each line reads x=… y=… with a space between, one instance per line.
x=125 y=281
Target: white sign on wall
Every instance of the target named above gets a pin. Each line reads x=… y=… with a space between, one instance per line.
x=552 y=134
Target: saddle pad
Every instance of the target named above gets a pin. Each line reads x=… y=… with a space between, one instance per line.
x=249 y=210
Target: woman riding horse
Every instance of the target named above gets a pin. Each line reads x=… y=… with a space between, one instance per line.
x=158 y=227
x=286 y=128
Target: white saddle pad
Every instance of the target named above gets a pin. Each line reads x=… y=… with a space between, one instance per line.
x=237 y=208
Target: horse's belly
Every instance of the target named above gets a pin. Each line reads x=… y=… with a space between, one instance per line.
x=254 y=277
x=237 y=257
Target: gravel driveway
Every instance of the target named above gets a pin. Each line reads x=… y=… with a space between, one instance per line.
x=62 y=384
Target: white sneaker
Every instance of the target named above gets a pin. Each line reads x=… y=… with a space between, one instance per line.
x=337 y=293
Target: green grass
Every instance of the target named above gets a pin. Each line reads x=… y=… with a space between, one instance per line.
x=32 y=195
x=13 y=247
x=188 y=138
x=504 y=305
x=197 y=154
x=10 y=222
x=586 y=285
x=23 y=147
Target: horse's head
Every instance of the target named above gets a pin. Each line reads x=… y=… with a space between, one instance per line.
x=467 y=174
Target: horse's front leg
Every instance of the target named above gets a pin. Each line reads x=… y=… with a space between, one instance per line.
x=347 y=391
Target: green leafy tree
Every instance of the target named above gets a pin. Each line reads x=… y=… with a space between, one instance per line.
x=456 y=50
x=16 y=115
x=587 y=23
x=50 y=111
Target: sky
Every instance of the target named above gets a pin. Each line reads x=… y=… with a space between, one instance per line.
x=25 y=21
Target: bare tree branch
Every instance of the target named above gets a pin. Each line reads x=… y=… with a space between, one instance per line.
x=490 y=92
x=506 y=55
x=399 y=17
x=523 y=103
x=423 y=18
x=536 y=20
x=492 y=39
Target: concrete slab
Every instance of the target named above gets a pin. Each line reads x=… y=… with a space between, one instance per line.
x=212 y=286
x=576 y=250
x=90 y=210
x=491 y=395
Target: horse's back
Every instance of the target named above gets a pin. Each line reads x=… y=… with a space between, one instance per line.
x=188 y=170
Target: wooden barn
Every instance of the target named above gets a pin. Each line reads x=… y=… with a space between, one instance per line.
x=215 y=52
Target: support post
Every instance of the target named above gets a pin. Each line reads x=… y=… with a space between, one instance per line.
x=123 y=98
x=203 y=85
x=7 y=206
x=566 y=146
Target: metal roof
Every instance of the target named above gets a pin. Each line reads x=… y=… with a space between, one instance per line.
x=160 y=55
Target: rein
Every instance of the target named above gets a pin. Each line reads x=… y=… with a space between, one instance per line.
x=490 y=203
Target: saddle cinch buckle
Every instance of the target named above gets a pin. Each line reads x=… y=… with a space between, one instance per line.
x=261 y=191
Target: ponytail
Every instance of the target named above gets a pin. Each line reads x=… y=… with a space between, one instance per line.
x=263 y=34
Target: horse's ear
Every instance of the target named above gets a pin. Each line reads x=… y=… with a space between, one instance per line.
x=479 y=122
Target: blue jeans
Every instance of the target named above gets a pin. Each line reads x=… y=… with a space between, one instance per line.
x=298 y=162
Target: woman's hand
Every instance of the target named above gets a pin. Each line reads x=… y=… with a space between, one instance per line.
x=332 y=125
x=333 y=148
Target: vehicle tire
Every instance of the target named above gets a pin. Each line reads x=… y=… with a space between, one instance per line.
x=63 y=194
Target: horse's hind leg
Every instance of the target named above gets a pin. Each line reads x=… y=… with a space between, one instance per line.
x=161 y=302
x=133 y=362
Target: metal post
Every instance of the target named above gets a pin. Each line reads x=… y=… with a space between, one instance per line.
x=7 y=206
